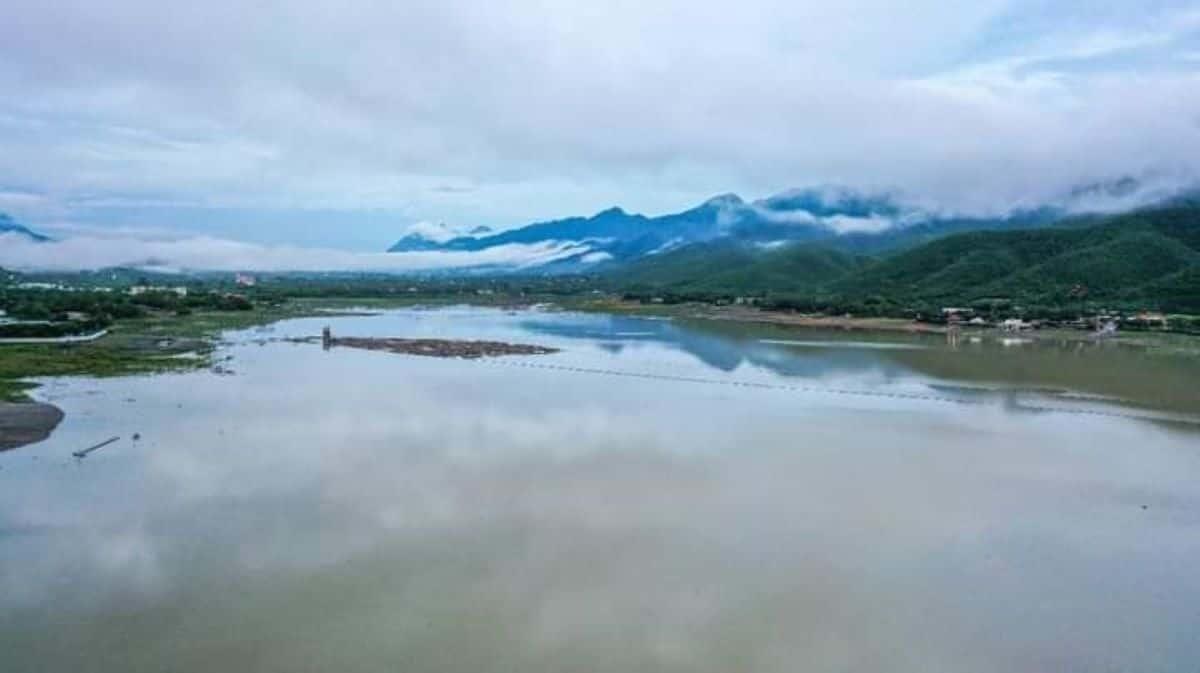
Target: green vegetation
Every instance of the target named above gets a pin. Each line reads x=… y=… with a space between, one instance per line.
x=717 y=270
x=103 y=307
x=1144 y=260
x=149 y=328
x=109 y=357
x=156 y=342
x=42 y=330
x=1113 y=262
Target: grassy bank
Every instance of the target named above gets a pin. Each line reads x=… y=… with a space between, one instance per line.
x=146 y=345
x=1154 y=342
x=114 y=355
x=155 y=342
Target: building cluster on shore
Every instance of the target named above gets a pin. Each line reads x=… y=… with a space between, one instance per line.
x=1102 y=321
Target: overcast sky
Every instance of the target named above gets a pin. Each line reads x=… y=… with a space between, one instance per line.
x=338 y=123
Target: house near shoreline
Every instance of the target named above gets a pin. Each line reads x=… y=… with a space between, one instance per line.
x=956 y=314
x=1149 y=319
x=143 y=289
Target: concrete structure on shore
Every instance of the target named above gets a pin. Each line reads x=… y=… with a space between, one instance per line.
x=83 y=338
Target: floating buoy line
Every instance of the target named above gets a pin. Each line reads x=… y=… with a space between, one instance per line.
x=855 y=392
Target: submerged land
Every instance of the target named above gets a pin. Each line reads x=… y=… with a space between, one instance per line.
x=1126 y=279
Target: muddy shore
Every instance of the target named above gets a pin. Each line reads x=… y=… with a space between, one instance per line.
x=24 y=423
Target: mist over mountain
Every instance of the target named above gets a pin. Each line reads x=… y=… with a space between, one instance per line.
x=1146 y=258
x=838 y=217
x=850 y=221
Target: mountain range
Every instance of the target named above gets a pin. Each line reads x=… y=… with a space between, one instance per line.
x=1149 y=258
x=840 y=218
x=10 y=226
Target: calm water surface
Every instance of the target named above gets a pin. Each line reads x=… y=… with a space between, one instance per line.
x=656 y=497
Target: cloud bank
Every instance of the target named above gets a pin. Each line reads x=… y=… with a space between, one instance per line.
x=139 y=112
x=214 y=254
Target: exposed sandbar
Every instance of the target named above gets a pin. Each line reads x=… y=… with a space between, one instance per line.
x=24 y=423
x=441 y=348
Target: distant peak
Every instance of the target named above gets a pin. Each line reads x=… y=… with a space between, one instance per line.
x=610 y=212
x=1117 y=187
x=440 y=232
x=831 y=200
x=729 y=199
x=9 y=225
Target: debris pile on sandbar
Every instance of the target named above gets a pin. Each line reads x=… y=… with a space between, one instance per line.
x=440 y=348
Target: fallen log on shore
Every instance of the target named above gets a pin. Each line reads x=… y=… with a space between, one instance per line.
x=101 y=445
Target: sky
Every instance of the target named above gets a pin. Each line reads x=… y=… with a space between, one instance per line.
x=339 y=125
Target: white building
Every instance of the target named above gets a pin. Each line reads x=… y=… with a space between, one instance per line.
x=143 y=289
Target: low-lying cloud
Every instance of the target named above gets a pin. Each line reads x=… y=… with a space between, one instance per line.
x=214 y=254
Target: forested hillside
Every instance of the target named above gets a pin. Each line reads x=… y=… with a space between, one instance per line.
x=1149 y=259
x=726 y=267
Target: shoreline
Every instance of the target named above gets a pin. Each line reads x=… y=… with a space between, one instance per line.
x=148 y=345
x=754 y=316
x=1153 y=339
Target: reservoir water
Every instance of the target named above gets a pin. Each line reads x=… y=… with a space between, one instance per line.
x=657 y=496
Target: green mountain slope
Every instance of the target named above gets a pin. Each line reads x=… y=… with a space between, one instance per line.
x=728 y=268
x=1178 y=292
x=1147 y=259
x=1120 y=259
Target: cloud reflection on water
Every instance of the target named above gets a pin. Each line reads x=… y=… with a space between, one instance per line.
x=352 y=510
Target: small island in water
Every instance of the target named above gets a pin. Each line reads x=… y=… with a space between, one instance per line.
x=440 y=348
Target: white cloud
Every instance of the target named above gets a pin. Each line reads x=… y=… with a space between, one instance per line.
x=784 y=216
x=437 y=232
x=595 y=257
x=206 y=253
x=844 y=224
x=510 y=112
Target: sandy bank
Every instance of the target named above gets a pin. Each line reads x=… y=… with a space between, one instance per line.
x=24 y=423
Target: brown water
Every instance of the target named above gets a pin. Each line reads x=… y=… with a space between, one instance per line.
x=656 y=497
